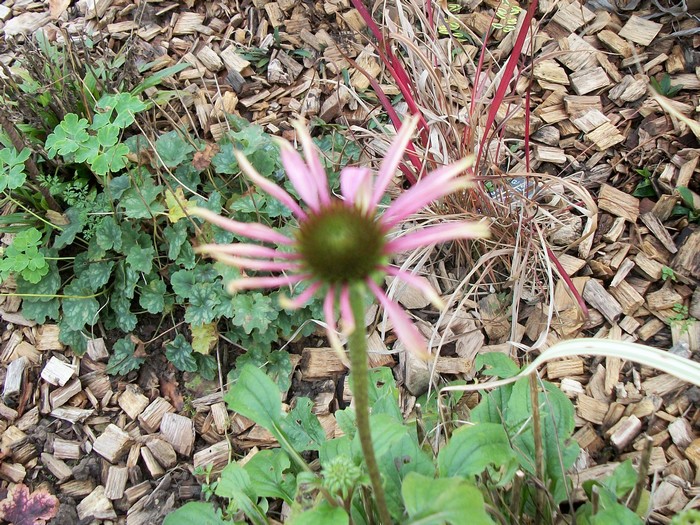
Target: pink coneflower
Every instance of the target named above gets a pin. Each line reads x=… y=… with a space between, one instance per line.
x=340 y=242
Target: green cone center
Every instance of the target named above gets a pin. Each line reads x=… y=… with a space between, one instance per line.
x=340 y=244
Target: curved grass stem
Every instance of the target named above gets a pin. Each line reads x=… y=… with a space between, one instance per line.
x=357 y=345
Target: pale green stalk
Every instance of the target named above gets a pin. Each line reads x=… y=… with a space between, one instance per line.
x=357 y=345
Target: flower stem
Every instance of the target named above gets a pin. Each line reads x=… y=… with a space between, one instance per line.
x=357 y=345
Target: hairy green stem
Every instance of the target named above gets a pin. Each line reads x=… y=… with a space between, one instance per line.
x=357 y=345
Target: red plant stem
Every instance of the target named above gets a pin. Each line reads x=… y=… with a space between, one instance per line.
x=569 y=282
x=507 y=75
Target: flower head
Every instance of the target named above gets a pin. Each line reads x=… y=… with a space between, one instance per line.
x=341 y=242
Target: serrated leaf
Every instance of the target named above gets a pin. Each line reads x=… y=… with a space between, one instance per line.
x=93 y=275
x=108 y=235
x=123 y=318
x=70 y=230
x=79 y=306
x=173 y=149
x=203 y=302
x=40 y=311
x=176 y=236
x=253 y=311
x=204 y=337
x=67 y=136
x=125 y=105
x=179 y=353
x=141 y=259
x=152 y=296
x=123 y=360
x=141 y=201
x=21 y=507
x=111 y=160
x=74 y=339
x=182 y=283
x=225 y=161
x=118 y=185
x=176 y=203
x=206 y=366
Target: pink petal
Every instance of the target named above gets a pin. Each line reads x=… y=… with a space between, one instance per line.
x=356 y=186
x=430 y=235
x=418 y=283
x=245 y=229
x=392 y=159
x=299 y=175
x=314 y=162
x=346 y=316
x=247 y=250
x=268 y=186
x=254 y=264
x=300 y=300
x=251 y=283
x=404 y=328
x=430 y=188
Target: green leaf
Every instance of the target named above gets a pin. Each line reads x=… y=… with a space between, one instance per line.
x=111 y=160
x=225 y=162
x=108 y=234
x=125 y=105
x=92 y=275
x=176 y=236
x=173 y=149
x=108 y=135
x=322 y=514
x=195 y=512
x=74 y=339
x=235 y=484
x=40 y=311
x=73 y=228
x=256 y=397
x=438 y=501
x=123 y=360
x=68 y=136
x=252 y=311
x=497 y=364
x=203 y=302
x=302 y=426
x=158 y=77
x=179 y=353
x=152 y=296
x=206 y=366
x=141 y=259
x=472 y=448
x=267 y=475
x=141 y=201
x=79 y=306
x=12 y=168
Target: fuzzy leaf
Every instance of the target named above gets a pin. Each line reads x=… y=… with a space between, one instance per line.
x=141 y=259
x=204 y=337
x=173 y=149
x=123 y=360
x=253 y=311
x=203 y=302
x=22 y=508
x=79 y=306
x=206 y=366
x=152 y=296
x=179 y=353
x=142 y=202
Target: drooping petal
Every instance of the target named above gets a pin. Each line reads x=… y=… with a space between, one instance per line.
x=247 y=250
x=392 y=159
x=404 y=328
x=268 y=186
x=314 y=162
x=251 y=283
x=417 y=283
x=356 y=187
x=245 y=229
x=259 y=265
x=437 y=234
x=299 y=175
x=300 y=300
x=434 y=186
x=346 y=316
